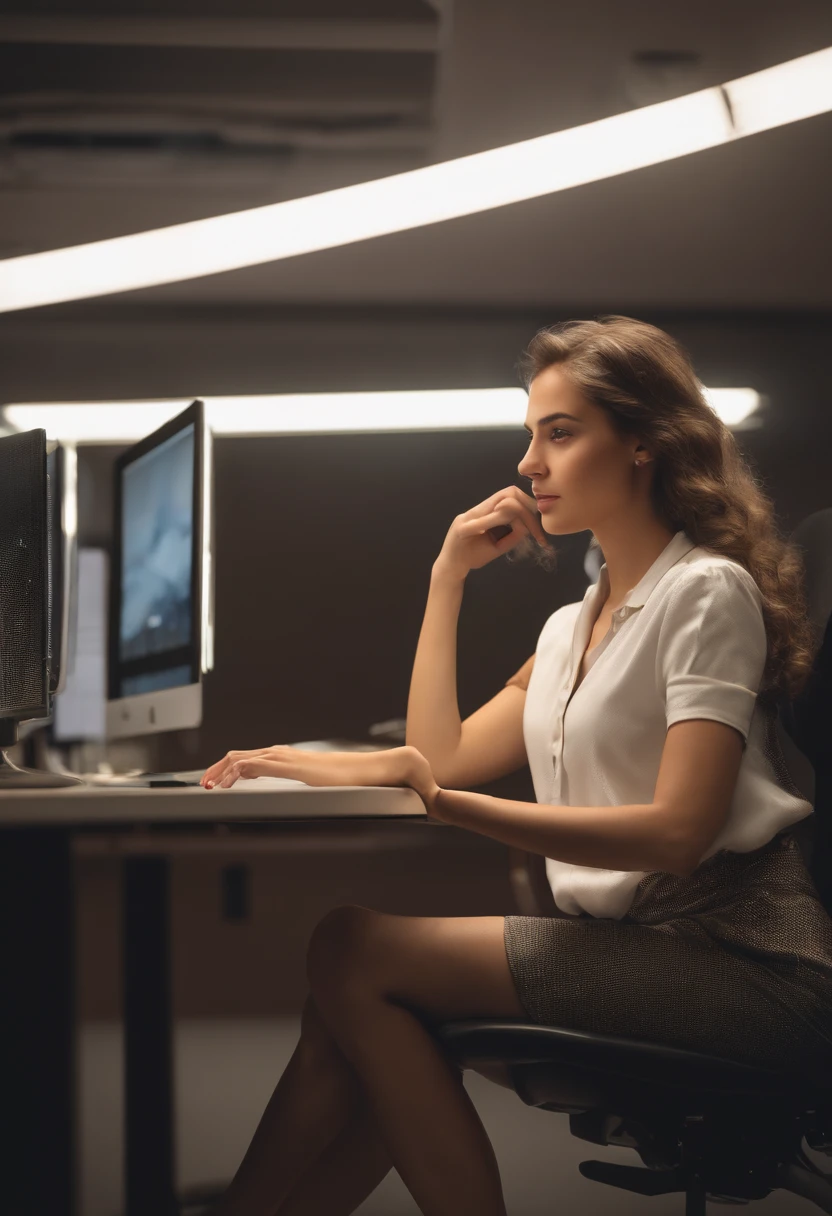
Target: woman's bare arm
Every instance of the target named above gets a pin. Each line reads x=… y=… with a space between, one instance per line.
x=491 y=743
x=692 y=800
x=433 y=721
x=488 y=744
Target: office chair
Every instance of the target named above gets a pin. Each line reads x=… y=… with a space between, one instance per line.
x=706 y=1127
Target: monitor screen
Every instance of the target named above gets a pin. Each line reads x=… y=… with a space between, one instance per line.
x=157 y=527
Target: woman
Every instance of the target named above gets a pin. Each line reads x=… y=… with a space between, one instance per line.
x=686 y=914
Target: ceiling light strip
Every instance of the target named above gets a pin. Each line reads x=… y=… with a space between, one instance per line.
x=313 y=413
x=611 y=146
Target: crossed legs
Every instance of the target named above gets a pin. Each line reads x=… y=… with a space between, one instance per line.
x=368 y=1086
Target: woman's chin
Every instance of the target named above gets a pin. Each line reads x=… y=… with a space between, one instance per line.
x=563 y=527
x=557 y=527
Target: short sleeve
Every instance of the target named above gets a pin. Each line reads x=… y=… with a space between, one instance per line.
x=712 y=646
x=521 y=678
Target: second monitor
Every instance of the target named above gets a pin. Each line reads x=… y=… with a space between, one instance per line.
x=161 y=589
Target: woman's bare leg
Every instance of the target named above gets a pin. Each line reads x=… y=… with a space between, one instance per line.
x=379 y=983
x=353 y=1165
x=320 y=1149
x=315 y=1099
x=344 y=1175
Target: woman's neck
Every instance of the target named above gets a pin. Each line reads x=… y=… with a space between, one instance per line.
x=629 y=552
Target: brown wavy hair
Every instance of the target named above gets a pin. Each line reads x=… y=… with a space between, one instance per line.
x=702 y=483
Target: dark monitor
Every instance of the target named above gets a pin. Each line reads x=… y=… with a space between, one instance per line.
x=62 y=505
x=37 y=509
x=160 y=631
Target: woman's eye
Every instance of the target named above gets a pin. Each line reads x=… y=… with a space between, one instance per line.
x=558 y=431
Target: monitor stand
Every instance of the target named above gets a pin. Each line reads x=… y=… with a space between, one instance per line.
x=12 y=777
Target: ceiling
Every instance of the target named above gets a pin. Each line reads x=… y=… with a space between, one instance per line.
x=119 y=116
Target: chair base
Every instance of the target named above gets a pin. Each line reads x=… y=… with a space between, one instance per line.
x=801 y=1180
x=707 y=1157
x=647 y=1182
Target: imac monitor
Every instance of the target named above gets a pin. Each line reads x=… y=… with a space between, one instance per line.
x=160 y=622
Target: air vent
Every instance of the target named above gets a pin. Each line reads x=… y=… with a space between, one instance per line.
x=652 y=76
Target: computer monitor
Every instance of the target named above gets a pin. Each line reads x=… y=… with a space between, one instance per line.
x=37 y=568
x=160 y=630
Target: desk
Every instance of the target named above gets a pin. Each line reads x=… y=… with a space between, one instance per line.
x=38 y=832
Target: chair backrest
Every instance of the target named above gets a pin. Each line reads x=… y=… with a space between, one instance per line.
x=814 y=537
x=805 y=725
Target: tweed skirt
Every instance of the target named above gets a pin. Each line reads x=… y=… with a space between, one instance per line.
x=734 y=960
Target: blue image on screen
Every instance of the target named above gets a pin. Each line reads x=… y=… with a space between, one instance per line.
x=157 y=547
x=155 y=681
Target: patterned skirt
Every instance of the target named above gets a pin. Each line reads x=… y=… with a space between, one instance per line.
x=734 y=960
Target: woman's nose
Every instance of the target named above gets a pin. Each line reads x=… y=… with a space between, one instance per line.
x=528 y=467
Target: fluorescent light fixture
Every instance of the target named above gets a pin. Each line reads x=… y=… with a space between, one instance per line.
x=313 y=413
x=292 y=414
x=787 y=92
x=790 y=91
x=733 y=405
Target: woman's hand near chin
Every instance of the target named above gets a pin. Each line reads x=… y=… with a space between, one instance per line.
x=398 y=766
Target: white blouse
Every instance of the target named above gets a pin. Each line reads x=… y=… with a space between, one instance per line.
x=688 y=642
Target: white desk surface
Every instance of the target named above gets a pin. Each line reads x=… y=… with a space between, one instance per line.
x=79 y=806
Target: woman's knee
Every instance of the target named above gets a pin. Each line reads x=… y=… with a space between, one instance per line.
x=335 y=946
x=316 y=1043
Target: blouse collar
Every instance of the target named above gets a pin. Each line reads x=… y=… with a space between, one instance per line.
x=669 y=556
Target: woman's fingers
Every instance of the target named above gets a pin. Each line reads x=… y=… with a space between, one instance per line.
x=488 y=504
x=509 y=511
x=508 y=493
x=255 y=766
x=212 y=775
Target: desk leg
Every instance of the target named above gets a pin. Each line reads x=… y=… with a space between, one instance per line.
x=149 y=1145
x=37 y=1024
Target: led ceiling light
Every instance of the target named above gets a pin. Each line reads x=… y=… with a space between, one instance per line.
x=733 y=405
x=788 y=92
x=312 y=413
x=290 y=414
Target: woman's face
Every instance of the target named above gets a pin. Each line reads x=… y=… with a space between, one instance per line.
x=579 y=457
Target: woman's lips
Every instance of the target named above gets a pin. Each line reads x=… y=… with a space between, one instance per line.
x=544 y=502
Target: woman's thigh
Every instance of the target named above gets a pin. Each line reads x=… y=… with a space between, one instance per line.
x=444 y=968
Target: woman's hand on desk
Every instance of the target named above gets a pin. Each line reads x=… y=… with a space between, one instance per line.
x=393 y=766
